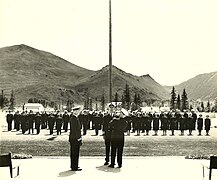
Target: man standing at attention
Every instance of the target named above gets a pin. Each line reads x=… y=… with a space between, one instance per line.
x=75 y=140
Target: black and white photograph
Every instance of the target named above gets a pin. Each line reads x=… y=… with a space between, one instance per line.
x=108 y=89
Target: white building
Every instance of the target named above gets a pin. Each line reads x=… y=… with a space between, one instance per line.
x=35 y=107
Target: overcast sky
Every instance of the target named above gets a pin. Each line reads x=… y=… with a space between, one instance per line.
x=172 y=40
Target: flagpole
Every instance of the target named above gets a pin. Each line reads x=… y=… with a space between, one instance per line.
x=110 y=52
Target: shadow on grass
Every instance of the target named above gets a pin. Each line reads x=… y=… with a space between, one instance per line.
x=52 y=138
x=108 y=169
x=66 y=173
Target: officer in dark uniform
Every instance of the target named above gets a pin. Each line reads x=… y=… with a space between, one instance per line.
x=75 y=141
x=173 y=123
x=200 y=124
x=118 y=126
x=107 y=135
x=59 y=120
x=207 y=124
x=9 y=119
x=44 y=117
x=137 y=125
x=182 y=124
x=164 y=124
x=148 y=121
x=37 y=122
x=31 y=117
x=83 y=117
x=155 y=124
x=24 y=122
x=51 y=122
x=65 y=121
x=17 y=121
x=129 y=121
x=97 y=123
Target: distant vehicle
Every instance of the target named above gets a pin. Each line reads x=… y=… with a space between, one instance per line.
x=35 y=107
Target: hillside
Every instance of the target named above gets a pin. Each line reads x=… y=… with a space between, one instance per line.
x=203 y=86
x=35 y=73
x=97 y=83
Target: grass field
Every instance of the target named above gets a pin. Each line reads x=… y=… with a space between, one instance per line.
x=52 y=145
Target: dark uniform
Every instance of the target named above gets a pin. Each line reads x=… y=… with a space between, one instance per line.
x=155 y=124
x=17 y=120
x=37 y=122
x=97 y=120
x=173 y=123
x=24 y=122
x=44 y=118
x=65 y=121
x=200 y=124
x=83 y=117
x=207 y=124
x=129 y=121
x=164 y=124
x=59 y=120
x=148 y=121
x=9 y=119
x=75 y=141
x=107 y=135
x=51 y=122
x=118 y=126
x=30 y=118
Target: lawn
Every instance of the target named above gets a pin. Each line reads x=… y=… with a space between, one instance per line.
x=94 y=146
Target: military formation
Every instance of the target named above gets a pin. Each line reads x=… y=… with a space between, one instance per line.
x=138 y=122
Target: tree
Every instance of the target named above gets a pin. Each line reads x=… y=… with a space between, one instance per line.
x=116 y=97
x=178 y=103
x=202 y=106
x=208 y=107
x=215 y=105
x=184 y=100
x=12 y=101
x=103 y=102
x=173 y=99
x=3 y=100
x=127 y=97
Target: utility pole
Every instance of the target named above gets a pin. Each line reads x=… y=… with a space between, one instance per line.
x=110 y=52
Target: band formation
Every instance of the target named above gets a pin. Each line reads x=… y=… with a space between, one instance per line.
x=138 y=122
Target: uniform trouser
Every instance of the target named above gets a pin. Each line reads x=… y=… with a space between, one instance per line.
x=9 y=126
x=74 y=153
x=116 y=148
x=107 y=149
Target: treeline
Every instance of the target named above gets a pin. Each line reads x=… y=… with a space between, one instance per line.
x=182 y=103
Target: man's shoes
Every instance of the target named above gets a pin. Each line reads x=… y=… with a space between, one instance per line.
x=111 y=166
x=106 y=163
x=78 y=169
x=119 y=166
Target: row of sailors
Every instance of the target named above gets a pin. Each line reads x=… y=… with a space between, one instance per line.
x=136 y=122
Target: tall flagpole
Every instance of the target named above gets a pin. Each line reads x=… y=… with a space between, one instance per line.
x=110 y=52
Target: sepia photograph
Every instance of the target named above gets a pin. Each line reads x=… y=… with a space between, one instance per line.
x=108 y=89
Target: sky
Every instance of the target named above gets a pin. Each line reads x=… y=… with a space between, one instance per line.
x=172 y=40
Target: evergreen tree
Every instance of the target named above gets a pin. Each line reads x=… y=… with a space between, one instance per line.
x=139 y=100
x=208 y=107
x=215 y=105
x=103 y=102
x=173 y=99
x=127 y=96
x=184 y=100
x=135 y=99
x=178 y=103
x=202 y=106
x=116 y=97
x=12 y=101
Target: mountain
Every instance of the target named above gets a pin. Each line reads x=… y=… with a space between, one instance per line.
x=97 y=83
x=203 y=87
x=34 y=73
